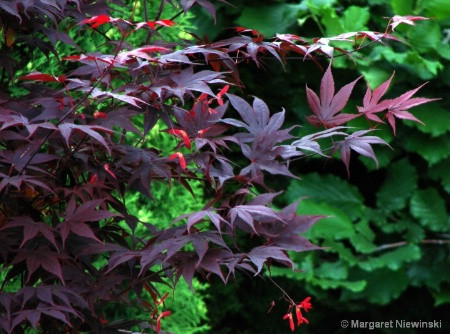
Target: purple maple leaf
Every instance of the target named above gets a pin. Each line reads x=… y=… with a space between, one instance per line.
x=326 y=109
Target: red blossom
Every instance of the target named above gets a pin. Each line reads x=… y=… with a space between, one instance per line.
x=305 y=304
x=291 y=321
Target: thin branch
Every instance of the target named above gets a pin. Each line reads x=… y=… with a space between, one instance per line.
x=404 y=243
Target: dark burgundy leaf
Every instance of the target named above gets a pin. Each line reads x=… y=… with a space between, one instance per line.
x=359 y=143
x=259 y=255
x=326 y=109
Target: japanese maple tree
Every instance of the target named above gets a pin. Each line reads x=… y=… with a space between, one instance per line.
x=74 y=142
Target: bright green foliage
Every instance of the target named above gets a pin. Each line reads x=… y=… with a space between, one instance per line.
x=276 y=18
x=189 y=313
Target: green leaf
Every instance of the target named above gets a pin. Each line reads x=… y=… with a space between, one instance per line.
x=355 y=18
x=353 y=286
x=414 y=233
x=318 y=4
x=436 y=8
x=441 y=297
x=335 y=270
x=329 y=189
x=332 y=22
x=397 y=188
x=402 y=7
x=429 y=208
x=364 y=237
x=425 y=68
x=393 y=260
x=336 y=226
x=383 y=285
x=426 y=36
x=373 y=75
x=435 y=119
x=270 y=20
x=440 y=172
x=431 y=271
x=431 y=149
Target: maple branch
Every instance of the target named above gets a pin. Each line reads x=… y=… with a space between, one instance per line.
x=404 y=243
x=285 y=294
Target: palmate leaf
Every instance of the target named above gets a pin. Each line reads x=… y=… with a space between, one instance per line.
x=408 y=19
x=31 y=229
x=396 y=108
x=76 y=217
x=42 y=257
x=186 y=81
x=326 y=109
x=260 y=255
x=91 y=130
x=360 y=144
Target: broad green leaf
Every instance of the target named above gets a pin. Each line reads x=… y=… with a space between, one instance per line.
x=397 y=188
x=317 y=4
x=429 y=208
x=414 y=233
x=329 y=189
x=341 y=248
x=353 y=286
x=436 y=119
x=426 y=36
x=335 y=270
x=402 y=7
x=425 y=68
x=363 y=239
x=373 y=75
x=355 y=18
x=431 y=149
x=332 y=22
x=270 y=20
x=383 y=285
x=436 y=8
x=336 y=226
x=393 y=259
x=432 y=270
x=327 y=276
x=440 y=172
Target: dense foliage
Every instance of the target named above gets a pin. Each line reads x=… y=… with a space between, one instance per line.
x=76 y=145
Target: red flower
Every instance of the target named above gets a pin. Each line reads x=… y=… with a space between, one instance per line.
x=305 y=304
x=291 y=320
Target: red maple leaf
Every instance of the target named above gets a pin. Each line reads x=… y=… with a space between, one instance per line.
x=326 y=109
x=397 y=108
x=360 y=144
x=408 y=19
